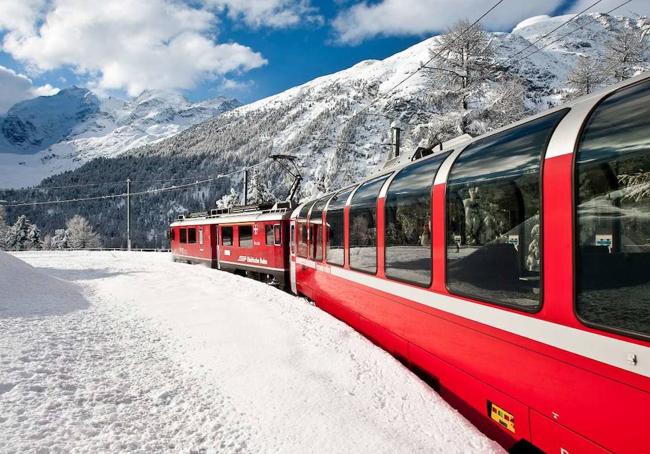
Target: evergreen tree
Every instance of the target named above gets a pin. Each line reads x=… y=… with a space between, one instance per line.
x=16 y=239
x=81 y=234
x=60 y=239
x=33 y=239
x=4 y=228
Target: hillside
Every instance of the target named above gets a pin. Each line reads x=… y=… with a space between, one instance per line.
x=312 y=122
x=47 y=135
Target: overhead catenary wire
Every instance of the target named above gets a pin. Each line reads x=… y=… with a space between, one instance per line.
x=571 y=32
x=138 y=193
x=178 y=187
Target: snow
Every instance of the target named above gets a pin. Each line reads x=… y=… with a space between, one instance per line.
x=148 y=355
x=74 y=127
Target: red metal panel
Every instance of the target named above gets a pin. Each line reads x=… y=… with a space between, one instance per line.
x=438 y=237
x=550 y=436
x=508 y=367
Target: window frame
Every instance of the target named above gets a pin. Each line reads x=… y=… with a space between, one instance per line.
x=575 y=234
x=268 y=228
x=538 y=308
x=350 y=190
x=239 y=227
x=182 y=235
x=277 y=228
x=231 y=237
x=348 y=250
x=189 y=239
x=431 y=208
x=313 y=245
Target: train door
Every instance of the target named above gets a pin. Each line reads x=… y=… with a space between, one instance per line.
x=292 y=256
x=214 y=244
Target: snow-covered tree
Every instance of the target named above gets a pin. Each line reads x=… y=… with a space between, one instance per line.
x=4 y=228
x=259 y=189
x=60 y=239
x=228 y=200
x=462 y=60
x=33 y=240
x=624 y=52
x=81 y=234
x=47 y=241
x=585 y=77
x=16 y=239
x=508 y=103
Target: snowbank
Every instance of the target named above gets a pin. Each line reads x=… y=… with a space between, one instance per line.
x=28 y=292
x=172 y=357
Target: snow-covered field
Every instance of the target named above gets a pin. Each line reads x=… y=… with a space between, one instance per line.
x=108 y=351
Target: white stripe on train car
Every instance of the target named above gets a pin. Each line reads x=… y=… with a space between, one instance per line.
x=251 y=265
x=608 y=350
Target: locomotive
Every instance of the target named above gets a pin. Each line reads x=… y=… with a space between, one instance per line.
x=511 y=270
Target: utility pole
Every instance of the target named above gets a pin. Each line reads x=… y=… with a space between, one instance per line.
x=128 y=214
x=245 y=187
x=396 y=129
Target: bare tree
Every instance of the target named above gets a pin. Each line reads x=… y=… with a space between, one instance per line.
x=462 y=60
x=81 y=234
x=586 y=76
x=508 y=103
x=624 y=52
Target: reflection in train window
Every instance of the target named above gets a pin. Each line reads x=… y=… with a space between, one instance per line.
x=613 y=213
x=302 y=238
x=363 y=226
x=226 y=236
x=493 y=222
x=316 y=226
x=191 y=235
x=335 y=228
x=245 y=236
x=408 y=222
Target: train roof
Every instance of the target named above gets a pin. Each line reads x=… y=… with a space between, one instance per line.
x=584 y=104
x=250 y=213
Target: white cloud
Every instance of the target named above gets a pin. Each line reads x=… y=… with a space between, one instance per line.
x=124 y=44
x=417 y=17
x=641 y=7
x=269 y=13
x=16 y=87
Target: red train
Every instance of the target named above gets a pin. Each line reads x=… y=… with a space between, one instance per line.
x=511 y=270
x=250 y=240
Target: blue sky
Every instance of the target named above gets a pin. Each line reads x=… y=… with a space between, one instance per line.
x=248 y=49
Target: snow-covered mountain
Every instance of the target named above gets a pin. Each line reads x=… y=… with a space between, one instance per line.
x=50 y=134
x=318 y=123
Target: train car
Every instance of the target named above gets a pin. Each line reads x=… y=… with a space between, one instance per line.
x=511 y=270
x=250 y=240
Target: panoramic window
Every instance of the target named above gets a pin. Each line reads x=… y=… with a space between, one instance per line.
x=316 y=226
x=493 y=222
x=245 y=236
x=408 y=222
x=301 y=226
x=183 y=235
x=334 y=218
x=268 y=235
x=363 y=226
x=302 y=238
x=613 y=213
x=226 y=236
